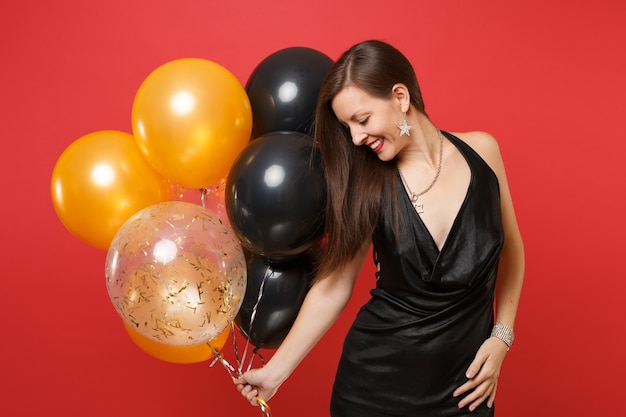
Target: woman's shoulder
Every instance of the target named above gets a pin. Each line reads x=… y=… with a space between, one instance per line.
x=484 y=144
x=478 y=140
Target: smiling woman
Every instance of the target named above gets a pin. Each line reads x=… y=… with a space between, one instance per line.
x=546 y=80
x=426 y=337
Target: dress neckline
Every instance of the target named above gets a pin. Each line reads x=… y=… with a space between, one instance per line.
x=453 y=139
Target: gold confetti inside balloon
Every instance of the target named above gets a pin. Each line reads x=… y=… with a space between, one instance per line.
x=176 y=273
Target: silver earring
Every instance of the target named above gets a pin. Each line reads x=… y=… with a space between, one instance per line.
x=404 y=127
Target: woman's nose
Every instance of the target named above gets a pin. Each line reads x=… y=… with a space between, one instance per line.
x=358 y=137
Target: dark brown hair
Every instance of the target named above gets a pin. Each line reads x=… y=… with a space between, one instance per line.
x=358 y=182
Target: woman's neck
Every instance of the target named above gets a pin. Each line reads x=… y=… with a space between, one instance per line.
x=423 y=144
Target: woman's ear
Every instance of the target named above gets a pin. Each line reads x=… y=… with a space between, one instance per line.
x=401 y=93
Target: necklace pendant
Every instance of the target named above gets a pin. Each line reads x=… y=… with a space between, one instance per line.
x=419 y=207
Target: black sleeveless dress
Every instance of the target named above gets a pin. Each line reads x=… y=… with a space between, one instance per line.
x=410 y=345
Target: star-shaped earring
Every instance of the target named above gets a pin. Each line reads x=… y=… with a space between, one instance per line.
x=404 y=127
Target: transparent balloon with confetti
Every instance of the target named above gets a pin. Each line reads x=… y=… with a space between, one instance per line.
x=176 y=273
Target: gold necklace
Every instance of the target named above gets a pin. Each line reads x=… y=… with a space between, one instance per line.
x=419 y=207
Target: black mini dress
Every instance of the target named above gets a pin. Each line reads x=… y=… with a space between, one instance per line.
x=412 y=342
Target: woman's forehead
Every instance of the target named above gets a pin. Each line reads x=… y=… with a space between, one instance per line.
x=350 y=100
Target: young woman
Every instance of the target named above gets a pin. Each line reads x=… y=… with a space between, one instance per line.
x=437 y=208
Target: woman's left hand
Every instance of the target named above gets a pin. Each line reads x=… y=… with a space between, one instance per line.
x=483 y=375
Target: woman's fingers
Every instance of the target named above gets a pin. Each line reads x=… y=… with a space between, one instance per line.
x=492 y=396
x=255 y=385
x=482 y=376
x=249 y=392
x=478 y=389
x=483 y=390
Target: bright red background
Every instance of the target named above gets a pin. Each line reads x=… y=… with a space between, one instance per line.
x=545 y=77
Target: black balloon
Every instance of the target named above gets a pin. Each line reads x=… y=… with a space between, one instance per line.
x=283 y=90
x=276 y=196
x=284 y=286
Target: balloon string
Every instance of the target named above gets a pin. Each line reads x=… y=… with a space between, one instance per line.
x=257 y=354
x=218 y=357
x=252 y=316
x=235 y=374
x=235 y=347
x=203 y=193
x=265 y=408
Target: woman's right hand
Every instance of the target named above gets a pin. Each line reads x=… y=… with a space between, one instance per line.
x=324 y=302
x=257 y=383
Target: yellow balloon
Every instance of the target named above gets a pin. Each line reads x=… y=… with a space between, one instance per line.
x=191 y=117
x=99 y=182
x=178 y=354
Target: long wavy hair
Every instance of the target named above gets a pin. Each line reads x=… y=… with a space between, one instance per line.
x=359 y=185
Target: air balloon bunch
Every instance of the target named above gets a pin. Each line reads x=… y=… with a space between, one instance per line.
x=181 y=274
